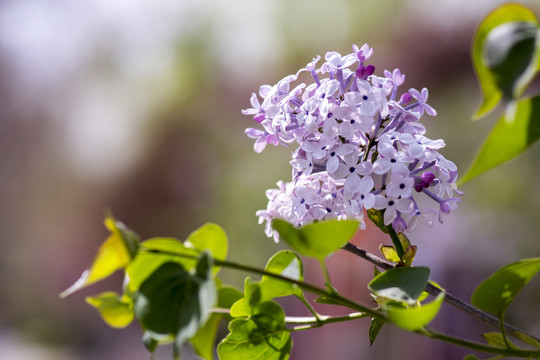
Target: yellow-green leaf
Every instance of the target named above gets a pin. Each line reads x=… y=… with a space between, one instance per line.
x=116 y=311
x=114 y=254
x=209 y=237
x=415 y=318
x=389 y=253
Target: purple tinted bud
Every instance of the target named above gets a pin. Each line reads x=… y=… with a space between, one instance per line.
x=427 y=178
x=418 y=186
x=405 y=98
x=363 y=72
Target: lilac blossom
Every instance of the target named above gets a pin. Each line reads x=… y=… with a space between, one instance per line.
x=357 y=144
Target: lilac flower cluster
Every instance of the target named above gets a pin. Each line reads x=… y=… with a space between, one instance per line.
x=360 y=146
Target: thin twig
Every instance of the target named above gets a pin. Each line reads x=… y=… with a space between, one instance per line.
x=448 y=298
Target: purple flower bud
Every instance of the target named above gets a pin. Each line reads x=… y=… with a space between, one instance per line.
x=405 y=98
x=449 y=205
x=427 y=178
x=363 y=72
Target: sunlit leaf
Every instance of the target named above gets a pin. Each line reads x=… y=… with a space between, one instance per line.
x=317 y=240
x=263 y=336
x=116 y=311
x=114 y=254
x=515 y=131
x=470 y=357
x=252 y=297
x=402 y=284
x=227 y=296
x=415 y=318
x=503 y=14
x=497 y=292
x=389 y=253
x=495 y=339
x=285 y=263
x=408 y=256
x=209 y=237
x=404 y=240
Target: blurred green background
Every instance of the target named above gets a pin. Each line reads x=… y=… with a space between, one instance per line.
x=134 y=107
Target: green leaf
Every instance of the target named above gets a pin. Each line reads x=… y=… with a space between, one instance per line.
x=147 y=262
x=377 y=218
x=285 y=263
x=527 y=339
x=317 y=240
x=115 y=253
x=470 y=357
x=509 y=51
x=152 y=340
x=404 y=240
x=252 y=297
x=209 y=237
x=227 y=296
x=497 y=292
x=375 y=327
x=174 y=301
x=408 y=256
x=389 y=253
x=204 y=341
x=503 y=14
x=149 y=342
x=262 y=337
x=402 y=284
x=495 y=339
x=415 y=318
x=515 y=131
x=116 y=311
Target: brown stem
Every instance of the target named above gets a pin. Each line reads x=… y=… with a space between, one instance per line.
x=448 y=298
